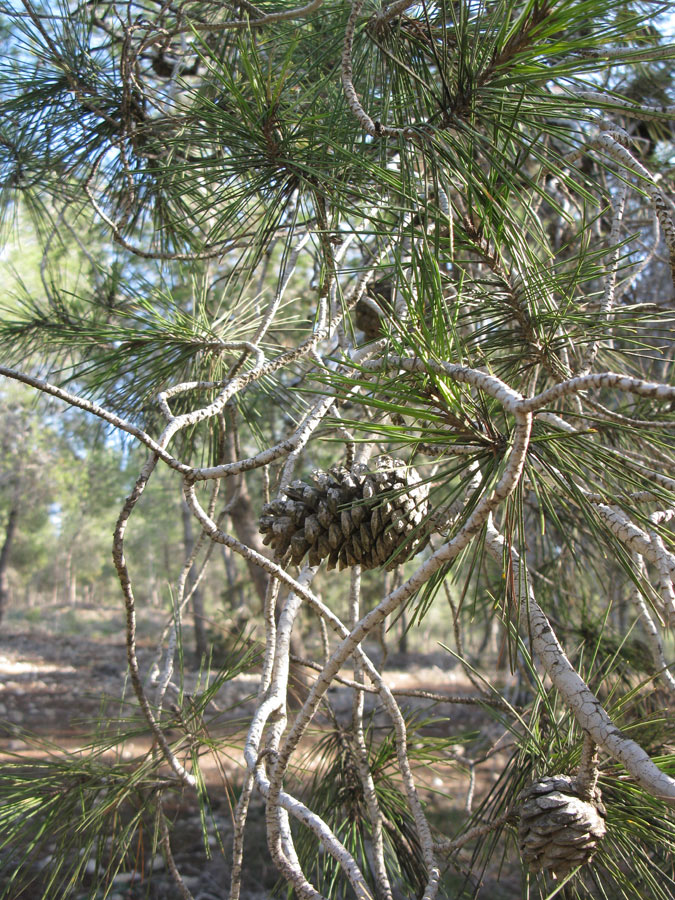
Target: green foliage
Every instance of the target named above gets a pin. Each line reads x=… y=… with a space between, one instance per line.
x=170 y=175
x=640 y=835
x=336 y=793
x=82 y=809
x=74 y=820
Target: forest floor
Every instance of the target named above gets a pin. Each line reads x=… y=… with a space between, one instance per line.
x=61 y=680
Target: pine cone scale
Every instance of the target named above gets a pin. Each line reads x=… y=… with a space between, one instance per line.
x=558 y=829
x=361 y=517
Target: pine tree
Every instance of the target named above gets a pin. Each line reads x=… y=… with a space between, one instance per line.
x=440 y=232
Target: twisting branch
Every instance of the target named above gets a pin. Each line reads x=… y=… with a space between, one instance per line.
x=583 y=703
x=652 y=633
x=666 y=588
x=618 y=208
x=373 y=128
x=461 y=699
x=390 y=12
x=183 y=889
x=605 y=141
x=94 y=409
x=587 y=773
x=451 y=845
x=130 y=603
x=259 y=20
x=384 y=891
x=635 y=539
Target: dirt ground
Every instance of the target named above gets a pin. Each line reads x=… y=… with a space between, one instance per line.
x=52 y=685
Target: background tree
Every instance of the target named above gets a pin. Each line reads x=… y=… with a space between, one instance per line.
x=427 y=250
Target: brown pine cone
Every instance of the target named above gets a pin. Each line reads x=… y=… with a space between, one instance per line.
x=366 y=517
x=559 y=830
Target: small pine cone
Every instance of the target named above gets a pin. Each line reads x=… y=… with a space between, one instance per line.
x=367 y=319
x=360 y=517
x=558 y=830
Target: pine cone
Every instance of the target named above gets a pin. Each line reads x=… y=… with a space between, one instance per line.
x=558 y=830
x=353 y=517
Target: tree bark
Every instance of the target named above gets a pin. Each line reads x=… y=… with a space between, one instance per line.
x=197 y=601
x=234 y=585
x=10 y=532
x=69 y=579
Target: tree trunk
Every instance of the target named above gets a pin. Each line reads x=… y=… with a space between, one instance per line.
x=245 y=526
x=69 y=579
x=237 y=601
x=10 y=531
x=201 y=644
